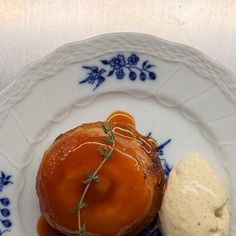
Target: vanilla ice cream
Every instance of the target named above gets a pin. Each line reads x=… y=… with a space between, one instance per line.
x=195 y=202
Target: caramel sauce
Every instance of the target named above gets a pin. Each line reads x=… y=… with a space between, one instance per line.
x=44 y=229
x=112 y=186
x=121 y=117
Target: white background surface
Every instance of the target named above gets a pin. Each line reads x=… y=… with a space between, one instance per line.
x=30 y=29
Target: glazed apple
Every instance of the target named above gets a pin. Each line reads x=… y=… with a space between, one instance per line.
x=121 y=193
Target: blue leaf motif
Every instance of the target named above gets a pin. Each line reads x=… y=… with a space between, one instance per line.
x=2 y=176
x=161 y=147
x=92 y=68
x=132 y=75
x=111 y=73
x=5 y=201
x=6 y=223
x=152 y=75
x=143 y=76
x=4 y=180
x=105 y=62
x=149 y=66
x=5 y=212
x=144 y=64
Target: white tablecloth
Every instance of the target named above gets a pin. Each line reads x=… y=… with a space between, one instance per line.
x=30 y=29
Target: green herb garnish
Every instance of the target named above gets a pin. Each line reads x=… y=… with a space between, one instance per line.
x=79 y=206
x=82 y=230
x=92 y=176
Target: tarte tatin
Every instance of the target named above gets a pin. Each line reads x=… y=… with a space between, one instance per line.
x=115 y=166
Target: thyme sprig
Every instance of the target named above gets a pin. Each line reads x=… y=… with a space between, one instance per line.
x=92 y=176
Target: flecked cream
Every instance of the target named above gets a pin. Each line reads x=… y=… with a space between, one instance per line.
x=195 y=202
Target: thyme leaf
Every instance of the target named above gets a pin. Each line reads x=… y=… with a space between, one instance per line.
x=106 y=128
x=82 y=229
x=105 y=153
x=108 y=140
x=79 y=206
x=90 y=177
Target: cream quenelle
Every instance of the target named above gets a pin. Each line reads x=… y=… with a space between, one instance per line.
x=195 y=200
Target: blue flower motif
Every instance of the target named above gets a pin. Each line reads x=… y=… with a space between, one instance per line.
x=133 y=59
x=120 y=74
x=118 y=61
x=119 y=67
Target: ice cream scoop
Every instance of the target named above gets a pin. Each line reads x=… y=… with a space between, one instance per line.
x=195 y=202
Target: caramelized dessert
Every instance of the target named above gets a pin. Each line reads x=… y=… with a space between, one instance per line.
x=101 y=178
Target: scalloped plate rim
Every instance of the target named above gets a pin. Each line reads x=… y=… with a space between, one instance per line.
x=18 y=76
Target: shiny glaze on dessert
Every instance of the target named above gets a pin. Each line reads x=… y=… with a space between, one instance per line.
x=122 y=117
x=116 y=191
x=44 y=229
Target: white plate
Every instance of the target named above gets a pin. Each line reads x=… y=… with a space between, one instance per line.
x=185 y=97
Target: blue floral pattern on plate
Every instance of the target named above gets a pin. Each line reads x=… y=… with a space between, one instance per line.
x=119 y=66
x=160 y=153
x=4 y=204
